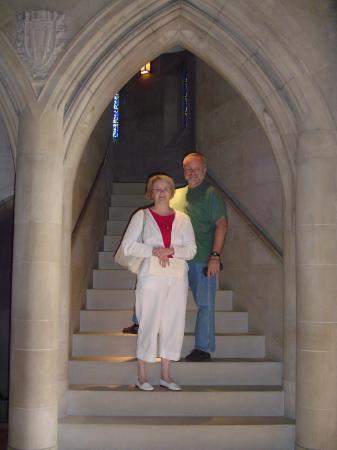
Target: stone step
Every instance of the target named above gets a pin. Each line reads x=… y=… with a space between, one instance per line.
x=128 y=188
x=238 y=381
x=113 y=279
x=216 y=372
x=115 y=321
x=111 y=243
x=116 y=227
x=125 y=299
x=106 y=258
x=135 y=200
x=116 y=400
x=121 y=212
x=227 y=346
x=168 y=433
x=106 y=261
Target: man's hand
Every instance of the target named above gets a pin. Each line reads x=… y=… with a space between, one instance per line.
x=213 y=267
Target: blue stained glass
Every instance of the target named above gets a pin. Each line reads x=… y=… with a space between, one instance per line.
x=185 y=100
x=115 y=118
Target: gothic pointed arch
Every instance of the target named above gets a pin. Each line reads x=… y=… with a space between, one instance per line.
x=99 y=63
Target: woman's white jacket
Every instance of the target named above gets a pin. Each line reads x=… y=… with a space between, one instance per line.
x=143 y=233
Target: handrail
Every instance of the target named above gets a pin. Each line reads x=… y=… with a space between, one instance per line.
x=248 y=218
x=8 y=199
x=92 y=188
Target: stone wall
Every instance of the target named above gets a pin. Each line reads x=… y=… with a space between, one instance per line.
x=315 y=42
x=241 y=159
x=89 y=213
x=7 y=171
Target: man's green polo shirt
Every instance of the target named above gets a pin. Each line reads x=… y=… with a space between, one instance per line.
x=204 y=205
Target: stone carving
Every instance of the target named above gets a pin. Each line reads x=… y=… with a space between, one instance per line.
x=41 y=36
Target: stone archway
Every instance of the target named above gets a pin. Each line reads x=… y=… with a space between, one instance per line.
x=181 y=28
x=229 y=39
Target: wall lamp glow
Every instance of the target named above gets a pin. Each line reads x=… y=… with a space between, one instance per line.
x=146 y=69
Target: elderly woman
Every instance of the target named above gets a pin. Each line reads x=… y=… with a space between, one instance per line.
x=165 y=239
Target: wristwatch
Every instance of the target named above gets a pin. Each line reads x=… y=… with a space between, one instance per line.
x=215 y=254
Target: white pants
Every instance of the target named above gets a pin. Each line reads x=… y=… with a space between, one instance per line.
x=160 y=310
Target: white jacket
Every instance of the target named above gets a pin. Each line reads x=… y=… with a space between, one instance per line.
x=182 y=238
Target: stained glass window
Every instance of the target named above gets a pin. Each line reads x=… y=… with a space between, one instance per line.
x=115 y=118
x=185 y=100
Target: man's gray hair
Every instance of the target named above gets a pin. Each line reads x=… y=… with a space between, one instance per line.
x=198 y=155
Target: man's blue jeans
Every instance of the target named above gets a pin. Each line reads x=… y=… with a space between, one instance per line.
x=203 y=289
x=134 y=317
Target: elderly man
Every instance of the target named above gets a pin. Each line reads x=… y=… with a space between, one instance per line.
x=207 y=211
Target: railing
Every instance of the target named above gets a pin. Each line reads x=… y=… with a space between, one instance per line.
x=104 y=162
x=6 y=200
x=247 y=217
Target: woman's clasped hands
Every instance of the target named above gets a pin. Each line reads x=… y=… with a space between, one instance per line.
x=163 y=255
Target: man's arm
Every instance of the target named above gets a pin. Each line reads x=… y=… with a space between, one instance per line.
x=220 y=234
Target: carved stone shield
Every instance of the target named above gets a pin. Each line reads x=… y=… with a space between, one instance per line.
x=40 y=37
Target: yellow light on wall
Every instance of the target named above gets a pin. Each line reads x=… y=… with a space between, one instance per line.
x=146 y=69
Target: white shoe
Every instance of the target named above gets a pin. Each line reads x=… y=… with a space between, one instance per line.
x=145 y=386
x=171 y=386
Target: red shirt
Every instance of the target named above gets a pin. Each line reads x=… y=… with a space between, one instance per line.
x=165 y=225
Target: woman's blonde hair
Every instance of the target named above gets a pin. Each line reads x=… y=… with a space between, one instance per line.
x=153 y=179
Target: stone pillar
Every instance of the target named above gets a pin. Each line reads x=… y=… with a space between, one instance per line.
x=65 y=297
x=289 y=320
x=36 y=280
x=316 y=246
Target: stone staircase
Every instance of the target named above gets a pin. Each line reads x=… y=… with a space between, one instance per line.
x=233 y=402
